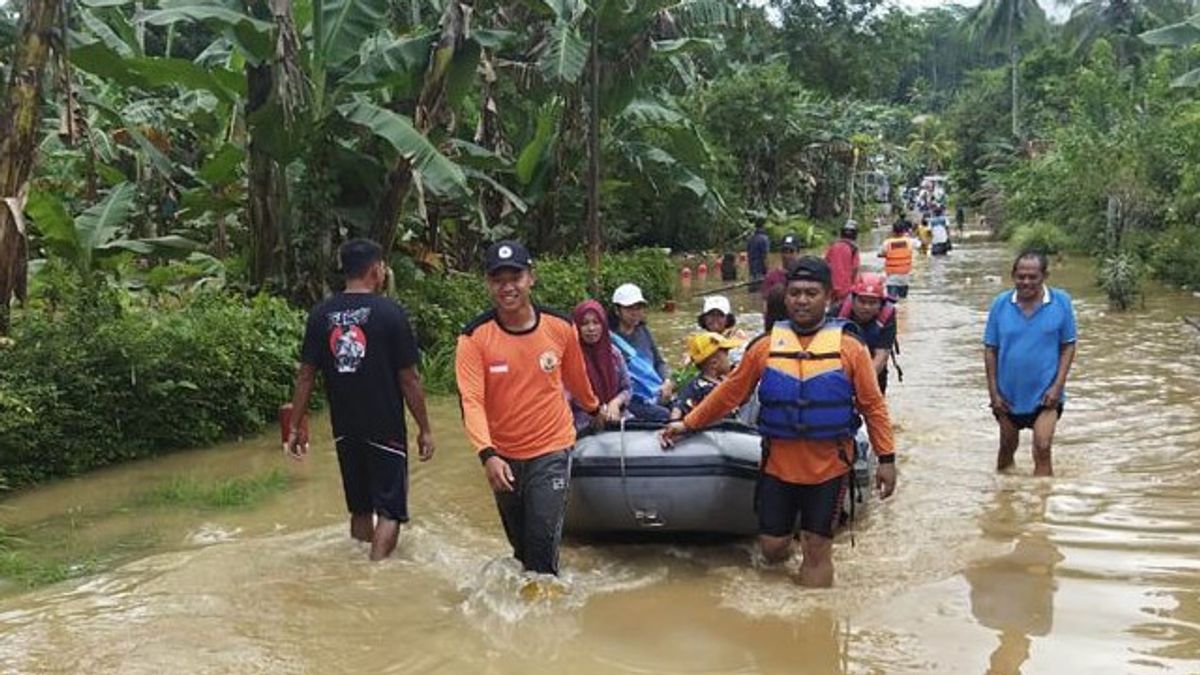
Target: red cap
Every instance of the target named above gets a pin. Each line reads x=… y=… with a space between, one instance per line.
x=870 y=285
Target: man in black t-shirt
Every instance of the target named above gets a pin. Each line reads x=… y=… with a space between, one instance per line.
x=364 y=347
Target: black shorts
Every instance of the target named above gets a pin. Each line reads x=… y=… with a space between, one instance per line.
x=1026 y=421
x=375 y=477
x=819 y=506
x=897 y=291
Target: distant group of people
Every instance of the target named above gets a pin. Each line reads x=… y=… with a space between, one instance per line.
x=530 y=379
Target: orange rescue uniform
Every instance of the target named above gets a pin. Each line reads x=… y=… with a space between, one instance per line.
x=511 y=385
x=803 y=461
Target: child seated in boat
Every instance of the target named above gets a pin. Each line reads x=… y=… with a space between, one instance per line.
x=710 y=353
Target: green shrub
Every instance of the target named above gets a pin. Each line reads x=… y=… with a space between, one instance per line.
x=1041 y=236
x=102 y=381
x=1120 y=276
x=1175 y=256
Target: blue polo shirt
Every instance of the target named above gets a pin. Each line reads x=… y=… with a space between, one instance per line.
x=1027 y=346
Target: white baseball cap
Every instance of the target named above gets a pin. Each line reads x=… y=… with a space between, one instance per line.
x=628 y=295
x=719 y=303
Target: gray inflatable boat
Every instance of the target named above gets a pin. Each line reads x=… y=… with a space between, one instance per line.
x=622 y=481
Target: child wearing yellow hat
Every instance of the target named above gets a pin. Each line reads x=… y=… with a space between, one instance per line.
x=710 y=353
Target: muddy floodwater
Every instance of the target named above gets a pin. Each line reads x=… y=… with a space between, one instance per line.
x=1094 y=571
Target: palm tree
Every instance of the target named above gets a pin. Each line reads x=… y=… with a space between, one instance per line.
x=929 y=144
x=996 y=23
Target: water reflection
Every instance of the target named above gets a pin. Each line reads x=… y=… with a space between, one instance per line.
x=1013 y=594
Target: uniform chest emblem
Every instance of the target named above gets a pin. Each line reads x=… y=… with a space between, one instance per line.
x=548 y=361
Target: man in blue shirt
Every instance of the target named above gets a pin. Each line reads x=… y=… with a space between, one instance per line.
x=1029 y=346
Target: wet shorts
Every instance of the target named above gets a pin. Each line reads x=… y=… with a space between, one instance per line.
x=374 y=477
x=820 y=506
x=1026 y=421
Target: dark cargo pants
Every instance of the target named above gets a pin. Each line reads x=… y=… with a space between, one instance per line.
x=533 y=512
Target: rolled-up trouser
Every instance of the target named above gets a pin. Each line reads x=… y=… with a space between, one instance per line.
x=533 y=512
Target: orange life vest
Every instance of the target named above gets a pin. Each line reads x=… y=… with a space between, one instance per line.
x=898 y=255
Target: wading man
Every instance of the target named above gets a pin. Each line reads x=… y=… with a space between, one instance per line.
x=513 y=363
x=1029 y=344
x=813 y=382
x=364 y=347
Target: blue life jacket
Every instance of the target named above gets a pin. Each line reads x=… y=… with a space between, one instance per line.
x=805 y=393
x=645 y=379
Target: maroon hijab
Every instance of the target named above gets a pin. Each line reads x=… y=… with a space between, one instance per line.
x=601 y=361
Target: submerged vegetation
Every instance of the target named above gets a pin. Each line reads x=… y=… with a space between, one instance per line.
x=236 y=492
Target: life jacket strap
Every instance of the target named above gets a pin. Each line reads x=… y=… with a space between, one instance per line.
x=805 y=403
x=805 y=356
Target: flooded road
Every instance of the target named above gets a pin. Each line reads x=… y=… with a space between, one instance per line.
x=1094 y=571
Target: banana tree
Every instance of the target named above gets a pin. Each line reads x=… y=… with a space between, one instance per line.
x=96 y=236
x=19 y=135
x=611 y=43
x=329 y=90
x=1180 y=34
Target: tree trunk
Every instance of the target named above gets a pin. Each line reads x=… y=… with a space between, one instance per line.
x=18 y=141
x=1015 y=58
x=431 y=111
x=850 y=188
x=264 y=187
x=593 y=151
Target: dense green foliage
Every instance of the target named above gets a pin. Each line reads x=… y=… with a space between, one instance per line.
x=102 y=380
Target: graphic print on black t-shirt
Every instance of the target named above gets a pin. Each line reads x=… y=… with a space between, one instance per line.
x=360 y=342
x=347 y=340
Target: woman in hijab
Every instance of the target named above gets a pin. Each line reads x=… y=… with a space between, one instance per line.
x=605 y=365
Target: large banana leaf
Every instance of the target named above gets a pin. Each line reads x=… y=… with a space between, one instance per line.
x=170 y=246
x=398 y=63
x=222 y=167
x=345 y=25
x=96 y=26
x=1176 y=35
x=50 y=218
x=150 y=73
x=254 y=37
x=101 y=223
x=440 y=175
x=537 y=148
x=565 y=54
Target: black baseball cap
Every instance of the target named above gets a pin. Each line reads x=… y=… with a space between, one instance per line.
x=508 y=253
x=811 y=268
x=791 y=241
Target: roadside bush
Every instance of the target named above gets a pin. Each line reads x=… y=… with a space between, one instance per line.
x=1120 y=277
x=1041 y=236
x=102 y=381
x=1175 y=256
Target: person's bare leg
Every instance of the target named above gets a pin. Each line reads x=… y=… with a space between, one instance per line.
x=775 y=549
x=1010 y=437
x=1043 y=438
x=387 y=532
x=362 y=527
x=816 y=567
